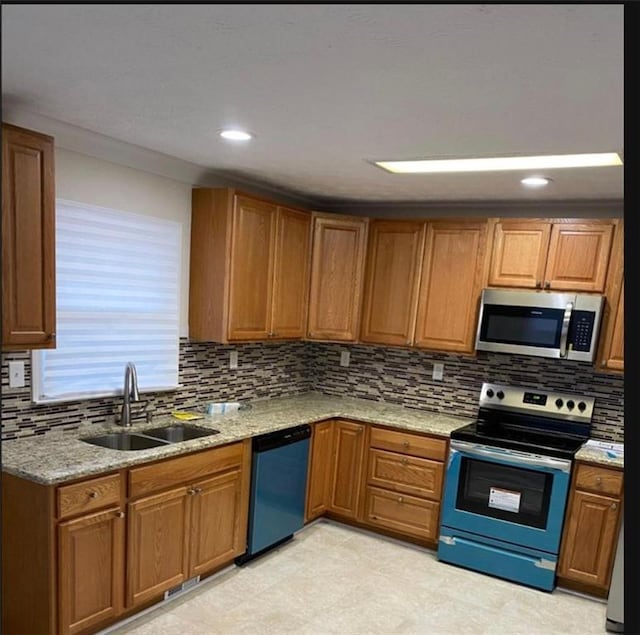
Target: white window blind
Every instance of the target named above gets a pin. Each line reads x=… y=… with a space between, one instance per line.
x=117 y=287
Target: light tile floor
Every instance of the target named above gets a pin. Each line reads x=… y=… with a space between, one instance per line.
x=336 y=579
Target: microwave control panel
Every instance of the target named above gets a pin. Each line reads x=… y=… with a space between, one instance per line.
x=581 y=330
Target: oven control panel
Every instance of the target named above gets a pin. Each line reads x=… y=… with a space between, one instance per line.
x=550 y=404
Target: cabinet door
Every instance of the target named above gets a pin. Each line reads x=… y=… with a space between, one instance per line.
x=90 y=570
x=291 y=274
x=615 y=355
x=251 y=271
x=392 y=278
x=348 y=462
x=578 y=256
x=336 y=277
x=28 y=240
x=519 y=254
x=589 y=541
x=319 y=487
x=216 y=536
x=158 y=544
x=450 y=288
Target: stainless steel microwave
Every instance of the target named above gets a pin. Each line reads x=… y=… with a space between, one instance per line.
x=541 y=323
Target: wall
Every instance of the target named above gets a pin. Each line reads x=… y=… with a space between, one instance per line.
x=264 y=370
x=403 y=376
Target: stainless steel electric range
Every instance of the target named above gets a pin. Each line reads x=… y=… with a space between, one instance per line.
x=507 y=483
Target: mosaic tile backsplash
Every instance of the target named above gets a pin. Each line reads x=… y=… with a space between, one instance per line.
x=404 y=376
x=401 y=376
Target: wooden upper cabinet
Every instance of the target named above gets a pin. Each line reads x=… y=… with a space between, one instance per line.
x=337 y=271
x=579 y=256
x=614 y=358
x=291 y=273
x=249 y=268
x=558 y=255
x=28 y=240
x=452 y=270
x=392 y=279
x=251 y=282
x=519 y=254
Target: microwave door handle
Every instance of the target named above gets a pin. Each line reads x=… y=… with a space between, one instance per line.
x=564 y=333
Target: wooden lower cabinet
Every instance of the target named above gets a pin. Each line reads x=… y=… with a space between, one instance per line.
x=319 y=482
x=348 y=463
x=402 y=513
x=90 y=569
x=74 y=561
x=158 y=544
x=591 y=529
x=217 y=533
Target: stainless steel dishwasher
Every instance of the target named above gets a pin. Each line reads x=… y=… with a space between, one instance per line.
x=278 y=489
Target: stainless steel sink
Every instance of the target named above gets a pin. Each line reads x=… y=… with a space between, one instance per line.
x=125 y=441
x=179 y=432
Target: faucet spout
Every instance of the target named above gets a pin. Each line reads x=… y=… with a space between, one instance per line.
x=129 y=393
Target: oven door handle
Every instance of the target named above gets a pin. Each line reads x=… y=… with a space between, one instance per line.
x=506 y=455
x=564 y=333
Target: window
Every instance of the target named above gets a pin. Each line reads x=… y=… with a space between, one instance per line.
x=117 y=295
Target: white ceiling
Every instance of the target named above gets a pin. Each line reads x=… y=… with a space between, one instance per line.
x=327 y=88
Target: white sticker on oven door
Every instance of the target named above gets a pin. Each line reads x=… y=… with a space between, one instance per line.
x=504 y=499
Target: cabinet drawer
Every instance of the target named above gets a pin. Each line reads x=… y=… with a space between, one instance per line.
x=172 y=472
x=408 y=474
x=404 y=514
x=598 y=479
x=426 y=447
x=88 y=495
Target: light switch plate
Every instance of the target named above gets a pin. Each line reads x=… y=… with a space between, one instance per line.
x=438 y=371
x=16 y=374
x=233 y=360
x=345 y=357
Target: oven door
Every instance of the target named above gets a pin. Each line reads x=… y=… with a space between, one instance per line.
x=505 y=494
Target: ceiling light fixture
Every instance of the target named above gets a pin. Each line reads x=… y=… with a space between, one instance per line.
x=236 y=135
x=535 y=181
x=542 y=162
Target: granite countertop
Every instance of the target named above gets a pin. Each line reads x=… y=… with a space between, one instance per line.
x=591 y=455
x=61 y=456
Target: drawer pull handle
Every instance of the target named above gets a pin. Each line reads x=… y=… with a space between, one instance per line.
x=93 y=494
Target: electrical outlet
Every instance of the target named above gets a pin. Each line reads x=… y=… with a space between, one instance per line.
x=16 y=374
x=233 y=360
x=345 y=356
x=438 y=371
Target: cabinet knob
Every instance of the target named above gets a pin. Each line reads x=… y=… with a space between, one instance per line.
x=191 y=491
x=614 y=506
x=93 y=494
x=405 y=461
x=598 y=480
x=359 y=430
x=547 y=284
x=51 y=336
x=197 y=489
x=400 y=499
x=538 y=284
x=405 y=444
x=119 y=514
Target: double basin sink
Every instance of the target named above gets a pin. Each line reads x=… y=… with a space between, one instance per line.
x=152 y=438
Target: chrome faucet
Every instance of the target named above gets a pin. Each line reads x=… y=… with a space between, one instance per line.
x=130 y=393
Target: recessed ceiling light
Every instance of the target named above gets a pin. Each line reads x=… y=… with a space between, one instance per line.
x=535 y=181
x=543 y=162
x=236 y=135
